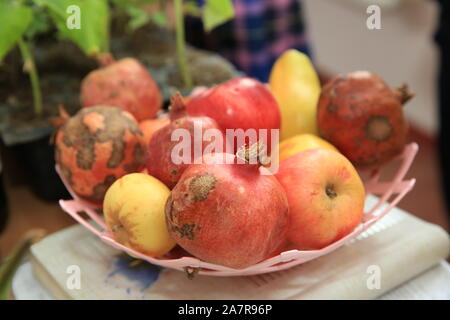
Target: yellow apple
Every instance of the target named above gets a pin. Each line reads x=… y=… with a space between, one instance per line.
x=302 y=142
x=325 y=195
x=296 y=87
x=134 y=212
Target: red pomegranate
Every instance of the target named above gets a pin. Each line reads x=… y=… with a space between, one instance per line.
x=241 y=103
x=228 y=212
x=126 y=84
x=183 y=130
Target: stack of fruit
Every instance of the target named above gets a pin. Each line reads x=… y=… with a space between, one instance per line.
x=193 y=180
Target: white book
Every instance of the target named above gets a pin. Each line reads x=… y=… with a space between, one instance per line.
x=394 y=250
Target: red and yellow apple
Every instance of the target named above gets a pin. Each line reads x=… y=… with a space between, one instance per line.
x=325 y=195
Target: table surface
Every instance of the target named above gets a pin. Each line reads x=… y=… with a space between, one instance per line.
x=433 y=284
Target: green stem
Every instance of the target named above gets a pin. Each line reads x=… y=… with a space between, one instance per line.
x=10 y=265
x=30 y=68
x=181 y=45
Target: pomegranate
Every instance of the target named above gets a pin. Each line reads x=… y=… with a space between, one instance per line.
x=228 y=212
x=97 y=146
x=126 y=84
x=241 y=103
x=361 y=116
x=162 y=146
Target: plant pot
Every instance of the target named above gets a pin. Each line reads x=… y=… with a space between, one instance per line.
x=38 y=162
x=4 y=210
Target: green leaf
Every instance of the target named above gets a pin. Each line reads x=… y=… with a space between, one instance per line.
x=14 y=20
x=217 y=12
x=191 y=8
x=40 y=24
x=138 y=17
x=85 y=22
x=160 y=18
x=9 y=266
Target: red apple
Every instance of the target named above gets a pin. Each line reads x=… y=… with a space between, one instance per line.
x=241 y=103
x=325 y=194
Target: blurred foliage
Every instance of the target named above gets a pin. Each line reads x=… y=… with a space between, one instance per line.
x=137 y=11
x=216 y=12
x=9 y=266
x=40 y=24
x=29 y=18
x=93 y=34
x=213 y=13
x=15 y=18
x=23 y=20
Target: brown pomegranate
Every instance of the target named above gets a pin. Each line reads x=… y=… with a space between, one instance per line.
x=97 y=146
x=361 y=116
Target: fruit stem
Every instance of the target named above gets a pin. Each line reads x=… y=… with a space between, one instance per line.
x=105 y=59
x=404 y=94
x=177 y=106
x=58 y=121
x=181 y=44
x=329 y=190
x=30 y=67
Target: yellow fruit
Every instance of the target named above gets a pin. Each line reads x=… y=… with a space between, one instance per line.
x=296 y=87
x=134 y=212
x=302 y=142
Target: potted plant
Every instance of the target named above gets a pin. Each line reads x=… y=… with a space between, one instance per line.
x=48 y=46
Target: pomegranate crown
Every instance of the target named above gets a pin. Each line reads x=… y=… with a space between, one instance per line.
x=177 y=106
x=403 y=93
x=253 y=154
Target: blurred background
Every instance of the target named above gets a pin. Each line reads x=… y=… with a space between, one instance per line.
x=334 y=33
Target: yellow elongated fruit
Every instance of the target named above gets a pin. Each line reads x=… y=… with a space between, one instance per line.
x=296 y=87
x=302 y=142
x=134 y=212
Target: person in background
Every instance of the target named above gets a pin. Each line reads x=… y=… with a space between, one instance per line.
x=442 y=38
x=260 y=32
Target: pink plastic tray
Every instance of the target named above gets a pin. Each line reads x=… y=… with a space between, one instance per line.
x=396 y=189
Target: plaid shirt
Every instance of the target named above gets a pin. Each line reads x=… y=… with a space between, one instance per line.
x=260 y=32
